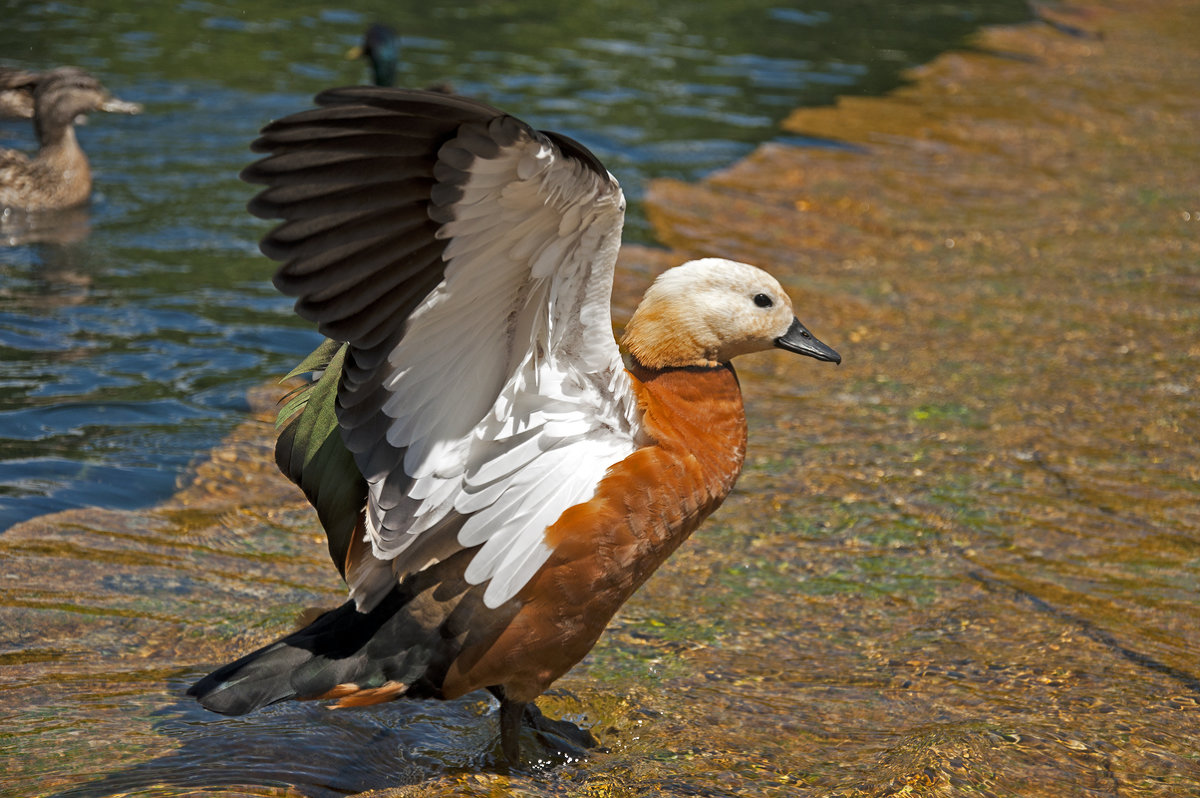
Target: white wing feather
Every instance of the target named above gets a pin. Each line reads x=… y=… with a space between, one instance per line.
x=507 y=390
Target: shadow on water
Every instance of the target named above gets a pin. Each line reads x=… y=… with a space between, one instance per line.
x=308 y=748
x=1186 y=680
x=316 y=752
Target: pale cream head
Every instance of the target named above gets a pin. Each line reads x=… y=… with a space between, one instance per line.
x=707 y=312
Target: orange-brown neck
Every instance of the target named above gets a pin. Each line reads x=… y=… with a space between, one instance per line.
x=698 y=411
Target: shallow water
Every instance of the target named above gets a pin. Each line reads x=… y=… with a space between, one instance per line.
x=130 y=332
x=963 y=563
x=991 y=518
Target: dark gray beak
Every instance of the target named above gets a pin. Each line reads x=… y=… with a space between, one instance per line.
x=798 y=339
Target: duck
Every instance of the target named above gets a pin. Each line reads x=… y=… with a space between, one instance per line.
x=381 y=49
x=59 y=175
x=494 y=473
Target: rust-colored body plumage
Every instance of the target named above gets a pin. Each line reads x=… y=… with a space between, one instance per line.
x=604 y=549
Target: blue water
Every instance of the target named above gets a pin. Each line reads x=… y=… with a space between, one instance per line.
x=131 y=330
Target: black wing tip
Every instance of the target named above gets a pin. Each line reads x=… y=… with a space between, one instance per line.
x=573 y=149
x=334 y=106
x=408 y=102
x=397 y=99
x=213 y=694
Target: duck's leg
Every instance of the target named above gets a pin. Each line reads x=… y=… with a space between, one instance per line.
x=560 y=736
x=511 y=715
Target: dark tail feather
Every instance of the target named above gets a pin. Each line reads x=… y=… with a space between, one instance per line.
x=311 y=662
x=257 y=679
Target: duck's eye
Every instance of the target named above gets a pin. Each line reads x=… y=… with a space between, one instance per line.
x=763 y=301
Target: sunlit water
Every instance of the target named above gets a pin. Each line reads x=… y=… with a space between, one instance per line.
x=130 y=331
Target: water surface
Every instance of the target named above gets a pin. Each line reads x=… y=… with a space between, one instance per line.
x=130 y=332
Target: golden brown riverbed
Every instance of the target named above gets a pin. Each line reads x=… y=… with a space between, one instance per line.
x=965 y=562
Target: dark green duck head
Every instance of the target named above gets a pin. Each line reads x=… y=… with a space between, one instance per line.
x=382 y=51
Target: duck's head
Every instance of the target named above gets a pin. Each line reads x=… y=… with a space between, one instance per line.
x=380 y=48
x=66 y=95
x=708 y=311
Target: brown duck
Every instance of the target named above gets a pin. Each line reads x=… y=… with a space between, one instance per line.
x=59 y=175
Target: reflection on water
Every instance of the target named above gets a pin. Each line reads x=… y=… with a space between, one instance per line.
x=62 y=228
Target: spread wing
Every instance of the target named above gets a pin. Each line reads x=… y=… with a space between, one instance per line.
x=466 y=261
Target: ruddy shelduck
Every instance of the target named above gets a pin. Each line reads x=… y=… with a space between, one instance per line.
x=493 y=479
